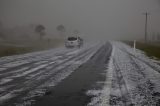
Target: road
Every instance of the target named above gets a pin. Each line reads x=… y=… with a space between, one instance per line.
x=100 y=74
x=24 y=78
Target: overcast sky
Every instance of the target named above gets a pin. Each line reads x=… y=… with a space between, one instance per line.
x=105 y=19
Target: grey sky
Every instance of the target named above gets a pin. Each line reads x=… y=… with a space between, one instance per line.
x=96 y=18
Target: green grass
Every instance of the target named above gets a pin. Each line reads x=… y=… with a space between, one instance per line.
x=151 y=49
x=8 y=48
x=11 y=50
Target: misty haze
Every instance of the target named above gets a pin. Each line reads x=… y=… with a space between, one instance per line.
x=79 y=52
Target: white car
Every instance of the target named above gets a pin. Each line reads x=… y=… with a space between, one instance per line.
x=73 y=42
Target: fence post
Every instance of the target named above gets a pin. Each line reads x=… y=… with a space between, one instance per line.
x=134 y=47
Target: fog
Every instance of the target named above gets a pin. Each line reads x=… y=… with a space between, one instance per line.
x=98 y=19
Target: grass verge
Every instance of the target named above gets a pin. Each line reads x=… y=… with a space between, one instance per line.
x=14 y=48
x=151 y=49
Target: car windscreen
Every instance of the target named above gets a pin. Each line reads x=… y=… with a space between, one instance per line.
x=72 y=38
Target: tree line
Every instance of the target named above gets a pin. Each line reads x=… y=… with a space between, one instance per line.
x=31 y=30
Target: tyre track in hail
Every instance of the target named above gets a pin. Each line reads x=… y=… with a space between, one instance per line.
x=29 y=62
x=125 y=95
x=147 y=63
x=145 y=87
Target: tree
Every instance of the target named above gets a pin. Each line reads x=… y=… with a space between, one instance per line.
x=61 y=29
x=40 y=30
x=1 y=31
x=1 y=26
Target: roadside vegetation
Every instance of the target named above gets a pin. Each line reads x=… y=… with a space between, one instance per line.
x=152 y=49
x=29 y=38
x=8 y=48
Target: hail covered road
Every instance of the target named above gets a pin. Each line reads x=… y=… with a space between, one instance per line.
x=99 y=74
x=24 y=79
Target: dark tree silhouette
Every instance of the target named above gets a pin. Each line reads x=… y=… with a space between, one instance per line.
x=1 y=31
x=40 y=30
x=61 y=29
